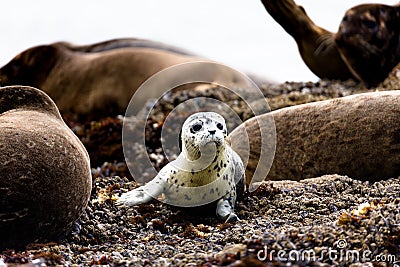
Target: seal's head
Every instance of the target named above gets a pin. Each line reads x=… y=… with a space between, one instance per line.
x=31 y=67
x=368 y=40
x=200 y=131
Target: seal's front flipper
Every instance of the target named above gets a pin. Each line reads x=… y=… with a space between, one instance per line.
x=143 y=194
x=293 y=18
x=225 y=211
x=134 y=197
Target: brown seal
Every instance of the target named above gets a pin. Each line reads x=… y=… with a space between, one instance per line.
x=88 y=83
x=125 y=43
x=316 y=45
x=97 y=80
x=369 y=41
x=45 y=180
x=365 y=48
x=356 y=135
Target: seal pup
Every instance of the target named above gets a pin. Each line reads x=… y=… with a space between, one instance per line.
x=368 y=40
x=45 y=180
x=207 y=170
x=356 y=135
x=316 y=45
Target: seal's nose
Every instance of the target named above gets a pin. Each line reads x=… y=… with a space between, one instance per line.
x=212 y=131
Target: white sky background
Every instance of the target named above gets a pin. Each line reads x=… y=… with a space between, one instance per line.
x=239 y=33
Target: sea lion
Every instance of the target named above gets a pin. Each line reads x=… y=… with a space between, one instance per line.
x=369 y=41
x=45 y=180
x=96 y=80
x=207 y=170
x=316 y=45
x=356 y=135
x=365 y=48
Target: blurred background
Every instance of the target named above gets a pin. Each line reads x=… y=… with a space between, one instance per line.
x=239 y=33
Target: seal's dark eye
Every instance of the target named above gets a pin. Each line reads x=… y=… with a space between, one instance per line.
x=369 y=23
x=196 y=127
x=220 y=126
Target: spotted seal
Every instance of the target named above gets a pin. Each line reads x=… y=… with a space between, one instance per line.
x=206 y=170
x=368 y=40
x=366 y=46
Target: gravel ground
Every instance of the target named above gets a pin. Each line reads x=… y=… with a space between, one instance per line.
x=315 y=215
x=315 y=221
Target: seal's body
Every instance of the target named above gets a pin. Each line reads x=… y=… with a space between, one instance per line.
x=356 y=135
x=45 y=179
x=98 y=80
x=206 y=170
x=94 y=84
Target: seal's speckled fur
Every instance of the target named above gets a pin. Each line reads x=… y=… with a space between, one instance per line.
x=207 y=170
